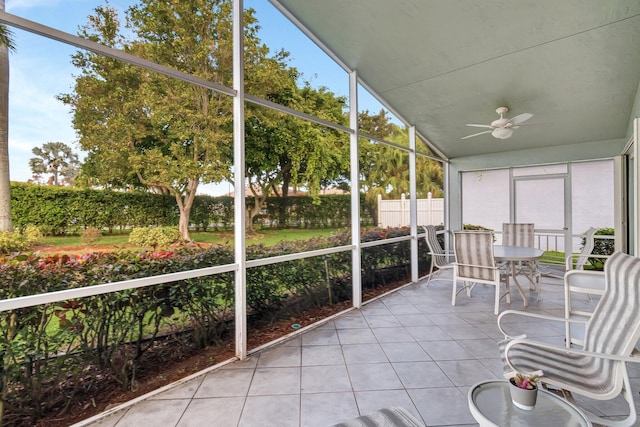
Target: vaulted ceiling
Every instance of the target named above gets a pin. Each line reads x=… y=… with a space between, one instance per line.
x=573 y=64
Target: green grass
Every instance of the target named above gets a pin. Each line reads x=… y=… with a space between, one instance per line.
x=553 y=257
x=268 y=237
x=107 y=239
x=272 y=237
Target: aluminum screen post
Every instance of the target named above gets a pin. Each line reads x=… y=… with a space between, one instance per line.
x=240 y=252
x=355 y=191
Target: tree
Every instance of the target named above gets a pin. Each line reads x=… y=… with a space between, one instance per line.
x=283 y=150
x=57 y=159
x=6 y=45
x=384 y=169
x=141 y=128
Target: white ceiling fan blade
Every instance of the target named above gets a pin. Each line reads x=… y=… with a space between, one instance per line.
x=520 y=118
x=476 y=134
x=528 y=124
x=479 y=126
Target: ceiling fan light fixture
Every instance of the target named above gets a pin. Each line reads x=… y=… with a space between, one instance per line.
x=503 y=127
x=502 y=133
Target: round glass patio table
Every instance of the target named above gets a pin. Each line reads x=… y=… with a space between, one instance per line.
x=490 y=404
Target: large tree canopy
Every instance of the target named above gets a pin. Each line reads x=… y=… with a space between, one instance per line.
x=141 y=128
x=283 y=150
x=384 y=169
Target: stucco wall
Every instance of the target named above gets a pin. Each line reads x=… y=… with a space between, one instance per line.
x=566 y=153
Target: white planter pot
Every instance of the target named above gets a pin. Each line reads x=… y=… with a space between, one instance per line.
x=522 y=397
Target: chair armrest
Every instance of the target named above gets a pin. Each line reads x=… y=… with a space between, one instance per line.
x=497 y=269
x=569 y=260
x=537 y=316
x=585 y=281
x=567 y=350
x=448 y=255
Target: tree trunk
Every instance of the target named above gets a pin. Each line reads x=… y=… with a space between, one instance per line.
x=253 y=211
x=5 y=183
x=282 y=214
x=184 y=205
x=183 y=224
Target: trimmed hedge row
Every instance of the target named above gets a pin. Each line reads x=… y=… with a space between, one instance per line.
x=55 y=355
x=65 y=210
x=61 y=210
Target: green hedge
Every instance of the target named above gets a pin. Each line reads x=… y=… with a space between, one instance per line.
x=66 y=210
x=57 y=354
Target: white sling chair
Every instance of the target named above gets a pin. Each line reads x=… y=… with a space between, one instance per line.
x=475 y=264
x=439 y=258
x=598 y=370
x=577 y=280
x=523 y=234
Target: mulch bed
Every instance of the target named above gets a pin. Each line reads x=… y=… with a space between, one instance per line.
x=182 y=365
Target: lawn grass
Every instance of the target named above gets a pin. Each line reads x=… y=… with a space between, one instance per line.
x=267 y=237
x=272 y=237
x=107 y=239
x=553 y=257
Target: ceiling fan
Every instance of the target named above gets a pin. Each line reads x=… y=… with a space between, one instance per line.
x=503 y=127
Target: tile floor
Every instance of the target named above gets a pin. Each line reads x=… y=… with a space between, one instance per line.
x=410 y=348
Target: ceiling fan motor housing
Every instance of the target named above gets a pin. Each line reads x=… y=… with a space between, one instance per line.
x=500 y=123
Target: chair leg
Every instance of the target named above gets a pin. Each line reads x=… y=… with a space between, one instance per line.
x=454 y=293
x=496 y=308
x=539 y=287
x=430 y=271
x=567 y=315
x=508 y=290
x=455 y=290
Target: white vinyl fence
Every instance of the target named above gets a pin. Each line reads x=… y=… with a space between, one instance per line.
x=395 y=213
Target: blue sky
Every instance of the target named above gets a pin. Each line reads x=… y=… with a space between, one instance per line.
x=40 y=69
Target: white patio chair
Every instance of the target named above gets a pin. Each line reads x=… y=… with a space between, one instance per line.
x=518 y=234
x=580 y=260
x=523 y=234
x=440 y=259
x=598 y=370
x=475 y=264
x=579 y=280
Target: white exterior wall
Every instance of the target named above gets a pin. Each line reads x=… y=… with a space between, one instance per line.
x=592 y=195
x=486 y=199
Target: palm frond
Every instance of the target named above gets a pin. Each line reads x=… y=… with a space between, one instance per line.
x=6 y=38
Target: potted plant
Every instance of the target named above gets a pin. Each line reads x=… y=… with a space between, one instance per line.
x=524 y=390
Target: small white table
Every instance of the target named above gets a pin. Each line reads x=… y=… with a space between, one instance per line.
x=514 y=254
x=491 y=406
